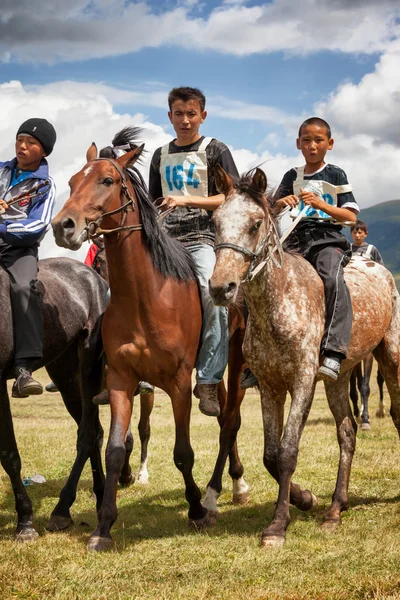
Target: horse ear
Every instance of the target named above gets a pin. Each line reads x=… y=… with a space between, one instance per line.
x=222 y=180
x=260 y=180
x=91 y=154
x=129 y=158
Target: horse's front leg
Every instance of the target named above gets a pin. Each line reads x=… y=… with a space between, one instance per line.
x=11 y=462
x=120 y=386
x=146 y=408
x=346 y=433
x=280 y=455
x=181 y=396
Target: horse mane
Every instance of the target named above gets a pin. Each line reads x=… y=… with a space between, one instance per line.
x=244 y=185
x=169 y=256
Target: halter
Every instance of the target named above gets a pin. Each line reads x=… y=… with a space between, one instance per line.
x=92 y=228
x=271 y=242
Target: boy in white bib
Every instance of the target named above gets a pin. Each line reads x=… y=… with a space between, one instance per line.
x=359 y=247
x=182 y=173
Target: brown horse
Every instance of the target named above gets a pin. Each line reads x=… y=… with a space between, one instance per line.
x=230 y=401
x=282 y=341
x=360 y=378
x=151 y=328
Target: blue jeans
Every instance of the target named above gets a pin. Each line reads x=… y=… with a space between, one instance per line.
x=214 y=344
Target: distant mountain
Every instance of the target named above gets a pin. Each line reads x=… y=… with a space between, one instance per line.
x=383 y=222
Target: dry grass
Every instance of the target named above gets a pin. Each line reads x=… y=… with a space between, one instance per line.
x=157 y=557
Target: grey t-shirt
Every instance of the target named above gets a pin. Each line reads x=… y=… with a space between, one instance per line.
x=192 y=225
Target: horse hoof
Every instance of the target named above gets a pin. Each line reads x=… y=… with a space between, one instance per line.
x=128 y=480
x=98 y=543
x=241 y=499
x=28 y=534
x=331 y=525
x=58 y=523
x=365 y=427
x=274 y=542
x=200 y=524
x=380 y=414
x=143 y=478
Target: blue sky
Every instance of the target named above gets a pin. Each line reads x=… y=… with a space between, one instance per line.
x=92 y=67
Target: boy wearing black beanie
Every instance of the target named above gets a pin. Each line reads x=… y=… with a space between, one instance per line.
x=27 y=195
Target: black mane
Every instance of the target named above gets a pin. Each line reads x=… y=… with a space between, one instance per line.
x=169 y=256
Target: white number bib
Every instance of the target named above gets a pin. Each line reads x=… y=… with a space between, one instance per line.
x=185 y=174
x=327 y=191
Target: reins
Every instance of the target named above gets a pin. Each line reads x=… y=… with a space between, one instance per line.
x=272 y=241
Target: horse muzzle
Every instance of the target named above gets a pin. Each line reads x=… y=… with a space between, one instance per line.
x=222 y=294
x=67 y=233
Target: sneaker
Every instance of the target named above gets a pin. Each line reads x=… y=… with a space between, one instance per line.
x=329 y=370
x=248 y=379
x=145 y=388
x=25 y=385
x=208 y=396
x=51 y=387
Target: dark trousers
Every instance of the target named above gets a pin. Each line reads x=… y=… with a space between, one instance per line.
x=21 y=265
x=329 y=251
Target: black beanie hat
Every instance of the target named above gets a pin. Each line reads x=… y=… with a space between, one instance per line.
x=41 y=130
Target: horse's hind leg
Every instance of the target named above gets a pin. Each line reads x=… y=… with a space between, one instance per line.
x=365 y=392
x=146 y=408
x=77 y=396
x=380 y=413
x=11 y=462
x=353 y=390
x=346 y=428
x=388 y=356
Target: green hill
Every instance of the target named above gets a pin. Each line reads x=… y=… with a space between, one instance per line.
x=383 y=222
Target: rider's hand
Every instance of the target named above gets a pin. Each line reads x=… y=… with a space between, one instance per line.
x=172 y=202
x=3 y=204
x=287 y=201
x=311 y=199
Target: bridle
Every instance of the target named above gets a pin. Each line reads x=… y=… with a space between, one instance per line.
x=93 y=228
x=271 y=243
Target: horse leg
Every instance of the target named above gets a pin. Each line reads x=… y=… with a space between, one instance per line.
x=183 y=453
x=229 y=422
x=146 y=408
x=365 y=392
x=353 y=392
x=388 y=356
x=11 y=462
x=77 y=393
x=380 y=413
x=120 y=386
x=346 y=428
x=280 y=455
x=127 y=477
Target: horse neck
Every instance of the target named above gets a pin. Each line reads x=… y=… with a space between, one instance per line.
x=130 y=267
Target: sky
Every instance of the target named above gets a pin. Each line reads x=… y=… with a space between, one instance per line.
x=92 y=67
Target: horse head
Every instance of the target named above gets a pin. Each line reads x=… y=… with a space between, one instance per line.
x=241 y=226
x=100 y=192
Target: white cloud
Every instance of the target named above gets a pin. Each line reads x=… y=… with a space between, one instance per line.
x=364 y=119
x=31 y=30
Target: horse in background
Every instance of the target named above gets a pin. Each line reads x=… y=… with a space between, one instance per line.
x=360 y=380
x=285 y=298
x=73 y=300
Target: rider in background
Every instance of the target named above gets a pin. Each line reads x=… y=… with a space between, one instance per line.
x=182 y=173
x=359 y=247
x=27 y=195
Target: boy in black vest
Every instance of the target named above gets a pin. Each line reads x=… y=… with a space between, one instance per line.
x=359 y=247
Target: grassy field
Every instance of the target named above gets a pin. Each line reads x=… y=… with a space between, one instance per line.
x=157 y=557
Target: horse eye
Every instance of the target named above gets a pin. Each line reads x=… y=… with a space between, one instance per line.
x=257 y=225
x=108 y=181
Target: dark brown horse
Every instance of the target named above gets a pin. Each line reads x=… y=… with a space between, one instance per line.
x=282 y=342
x=72 y=299
x=360 y=378
x=151 y=328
